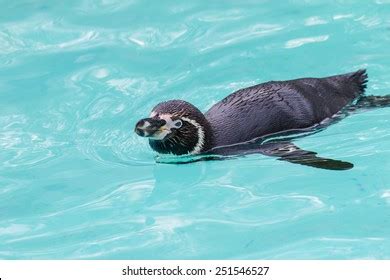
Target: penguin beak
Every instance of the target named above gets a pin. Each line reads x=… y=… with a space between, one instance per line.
x=150 y=127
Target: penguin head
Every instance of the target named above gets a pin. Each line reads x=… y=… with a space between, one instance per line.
x=176 y=127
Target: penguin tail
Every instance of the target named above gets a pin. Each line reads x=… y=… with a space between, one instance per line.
x=360 y=79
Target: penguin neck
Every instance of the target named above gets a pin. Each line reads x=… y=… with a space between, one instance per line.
x=208 y=136
x=205 y=139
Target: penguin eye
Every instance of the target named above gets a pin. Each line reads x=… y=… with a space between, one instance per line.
x=178 y=123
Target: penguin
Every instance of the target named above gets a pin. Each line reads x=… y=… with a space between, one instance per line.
x=244 y=122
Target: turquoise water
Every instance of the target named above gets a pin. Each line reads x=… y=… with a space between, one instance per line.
x=77 y=183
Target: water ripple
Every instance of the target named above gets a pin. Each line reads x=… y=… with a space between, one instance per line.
x=228 y=38
x=295 y=43
x=103 y=6
x=150 y=37
x=217 y=16
x=315 y=21
x=23 y=148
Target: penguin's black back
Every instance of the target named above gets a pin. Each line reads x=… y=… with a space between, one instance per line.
x=282 y=105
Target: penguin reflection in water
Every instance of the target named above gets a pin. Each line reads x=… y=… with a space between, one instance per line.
x=247 y=121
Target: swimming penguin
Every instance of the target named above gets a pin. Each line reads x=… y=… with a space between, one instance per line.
x=241 y=122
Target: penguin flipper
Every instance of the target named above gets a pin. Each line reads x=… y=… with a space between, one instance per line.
x=287 y=151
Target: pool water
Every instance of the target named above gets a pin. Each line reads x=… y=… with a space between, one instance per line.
x=77 y=183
